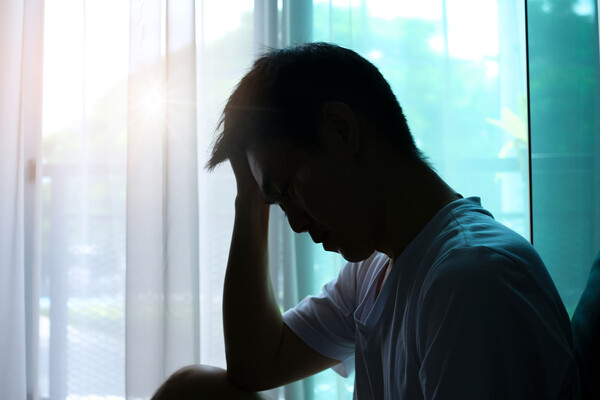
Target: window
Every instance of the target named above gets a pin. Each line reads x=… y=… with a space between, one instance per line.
x=472 y=97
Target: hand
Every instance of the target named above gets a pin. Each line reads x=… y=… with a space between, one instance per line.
x=246 y=184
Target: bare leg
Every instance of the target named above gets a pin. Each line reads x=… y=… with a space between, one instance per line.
x=197 y=382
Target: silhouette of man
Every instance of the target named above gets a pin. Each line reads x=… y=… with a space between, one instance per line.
x=437 y=301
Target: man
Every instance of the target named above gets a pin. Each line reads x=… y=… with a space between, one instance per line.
x=438 y=301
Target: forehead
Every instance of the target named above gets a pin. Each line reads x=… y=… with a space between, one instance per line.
x=273 y=163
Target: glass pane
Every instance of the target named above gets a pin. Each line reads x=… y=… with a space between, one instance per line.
x=461 y=82
x=458 y=70
x=565 y=139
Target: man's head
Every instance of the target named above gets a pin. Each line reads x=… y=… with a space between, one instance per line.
x=324 y=138
x=282 y=97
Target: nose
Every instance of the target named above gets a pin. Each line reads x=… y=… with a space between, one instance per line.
x=298 y=219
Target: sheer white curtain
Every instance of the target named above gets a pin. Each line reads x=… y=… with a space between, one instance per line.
x=162 y=309
x=20 y=115
x=12 y=254
x=104 y=194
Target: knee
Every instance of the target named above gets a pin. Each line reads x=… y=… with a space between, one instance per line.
x=201 y=382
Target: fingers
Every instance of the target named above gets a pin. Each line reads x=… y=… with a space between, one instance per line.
x=246 y=182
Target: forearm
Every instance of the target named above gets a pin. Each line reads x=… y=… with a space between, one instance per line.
x=251 y=318
x=201 y=382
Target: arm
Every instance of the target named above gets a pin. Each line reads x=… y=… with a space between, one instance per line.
x=261 y=351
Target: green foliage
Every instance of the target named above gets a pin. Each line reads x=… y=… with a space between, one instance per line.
x=516 y=127
x=564 y=79
x=442 y=97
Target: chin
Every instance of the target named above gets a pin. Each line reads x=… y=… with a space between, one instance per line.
x=353 y=249
x=355 y=255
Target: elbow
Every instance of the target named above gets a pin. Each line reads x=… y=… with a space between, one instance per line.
x=248 y=379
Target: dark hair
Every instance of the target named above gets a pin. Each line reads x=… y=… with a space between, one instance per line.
x=282 y=96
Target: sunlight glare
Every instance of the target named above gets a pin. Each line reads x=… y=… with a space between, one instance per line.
x=152 y=101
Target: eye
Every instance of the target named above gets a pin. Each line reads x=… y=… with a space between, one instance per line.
x=285 y=190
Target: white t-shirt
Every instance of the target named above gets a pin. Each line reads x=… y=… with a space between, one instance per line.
x=468 y=311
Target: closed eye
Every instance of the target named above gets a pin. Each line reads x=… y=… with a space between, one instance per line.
x=285 y=190
x=282 y=195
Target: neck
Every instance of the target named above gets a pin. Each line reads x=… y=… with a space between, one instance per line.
x=415 y=196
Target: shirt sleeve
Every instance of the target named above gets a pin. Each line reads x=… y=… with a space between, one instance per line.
x=487 y=330
x=326 y=322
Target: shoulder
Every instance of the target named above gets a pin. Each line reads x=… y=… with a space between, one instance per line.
x=481 y=279
x=471 y=260
x=468 y=271
x=468 y=232
x=491 y=283
x=489 y=257
x=476 y=248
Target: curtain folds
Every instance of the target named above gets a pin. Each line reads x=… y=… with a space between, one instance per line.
x=20 y=137
x=162 y=310
x=12 y=181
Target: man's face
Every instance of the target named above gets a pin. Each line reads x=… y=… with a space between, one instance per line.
x=321 y=193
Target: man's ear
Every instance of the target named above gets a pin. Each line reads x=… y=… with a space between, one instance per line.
x=340 y=118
